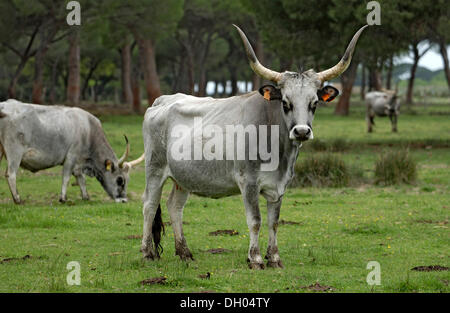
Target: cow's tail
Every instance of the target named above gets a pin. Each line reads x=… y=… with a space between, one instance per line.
x=157 y=229
x=2 y=115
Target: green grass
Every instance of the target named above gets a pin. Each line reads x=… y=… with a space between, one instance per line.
x=340 y=231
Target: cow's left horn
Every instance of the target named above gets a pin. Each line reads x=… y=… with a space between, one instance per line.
x=257 y=67
x=125 y=155
x=339 y=68
x=133 y=163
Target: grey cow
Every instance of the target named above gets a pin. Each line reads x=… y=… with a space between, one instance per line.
x=382 y=103
x=37 y=137
x=290 y=105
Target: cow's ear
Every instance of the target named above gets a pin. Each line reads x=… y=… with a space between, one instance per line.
x=270 y=92
x=328 y=93
x=109 y=165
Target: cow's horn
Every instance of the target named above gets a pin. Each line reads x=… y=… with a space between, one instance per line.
x=125 y=155
x=133 y=163
x=257 y=67
x=339 y=68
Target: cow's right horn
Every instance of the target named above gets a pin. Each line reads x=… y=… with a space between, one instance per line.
x=257 y=67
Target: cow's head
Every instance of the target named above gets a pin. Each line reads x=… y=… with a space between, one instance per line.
x=114 y=175
x=299 y=93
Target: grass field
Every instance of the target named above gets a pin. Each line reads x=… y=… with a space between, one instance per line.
x=339 y=230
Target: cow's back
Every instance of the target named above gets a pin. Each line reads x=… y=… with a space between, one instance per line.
x=378 y=102
x=44 y=133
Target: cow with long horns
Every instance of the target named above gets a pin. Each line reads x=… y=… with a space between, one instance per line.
x=37 y=137
x=289 y=107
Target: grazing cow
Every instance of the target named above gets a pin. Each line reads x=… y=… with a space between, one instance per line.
x=382 y=103
x=37 y=137
x=287 y=109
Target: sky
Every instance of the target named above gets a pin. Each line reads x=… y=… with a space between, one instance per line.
x=432 y=60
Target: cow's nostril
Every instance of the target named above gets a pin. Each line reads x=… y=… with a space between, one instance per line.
x=308 y=131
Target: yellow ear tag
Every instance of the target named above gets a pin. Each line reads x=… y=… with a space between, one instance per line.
x=108 y=166
x=267 y=94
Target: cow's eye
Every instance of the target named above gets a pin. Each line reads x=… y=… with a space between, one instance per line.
x=313 y=106
x=120 y=181
x=286 y=106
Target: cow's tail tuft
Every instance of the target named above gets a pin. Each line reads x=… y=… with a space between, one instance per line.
x=2 y=115
x=157 y=229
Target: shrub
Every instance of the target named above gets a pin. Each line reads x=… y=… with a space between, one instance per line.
x=336 y=145
x=324 y=170
x=395 y=167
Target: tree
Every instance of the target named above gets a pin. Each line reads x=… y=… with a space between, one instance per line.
x=149 y=21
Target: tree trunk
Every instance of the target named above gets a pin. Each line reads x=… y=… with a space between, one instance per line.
x=363 y=82
x=233 y=78
x=92 y=69
x=147 y=55
x=409 y=92
x=443 y=51
x=389 y=73
x=136 y=90
x=54 y=75
x=347 y=81
x=13 y=83
x=257 y=80
x=376 y=79
x=73 y=80
x=36 y=94
x=127 y=93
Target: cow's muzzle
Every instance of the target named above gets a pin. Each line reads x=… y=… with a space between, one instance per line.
x=301 y=133
x=121 y=200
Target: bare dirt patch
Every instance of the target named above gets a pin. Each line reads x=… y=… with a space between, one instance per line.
x=230 y=232
x=25 y=257
x=425 y=221
x=155 y=280
x=430 y=268
x=284 y=222
x=318 y=287
x=133 y=237
x=218 y=251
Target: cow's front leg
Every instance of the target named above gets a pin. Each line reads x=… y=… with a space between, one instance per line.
x=175 y=204
x=393 y=118
x=250 y=196
x=82 y=183
x=273 y=214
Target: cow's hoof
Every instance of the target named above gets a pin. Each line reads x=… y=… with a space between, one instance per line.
x=255 y=265
x=277 y=264
x=86 y=198
x=185 y=255
x=150 y=257
x=18 y=201
x=62 y=200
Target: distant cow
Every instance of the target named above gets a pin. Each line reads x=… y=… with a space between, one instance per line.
x=382 y=103
x=37 y=137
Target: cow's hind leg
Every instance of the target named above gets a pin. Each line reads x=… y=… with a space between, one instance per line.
x=250 y=195
x=153 y=225
x=175 y=204
x=66 y=174
x=273 y=214
x=11 y=174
